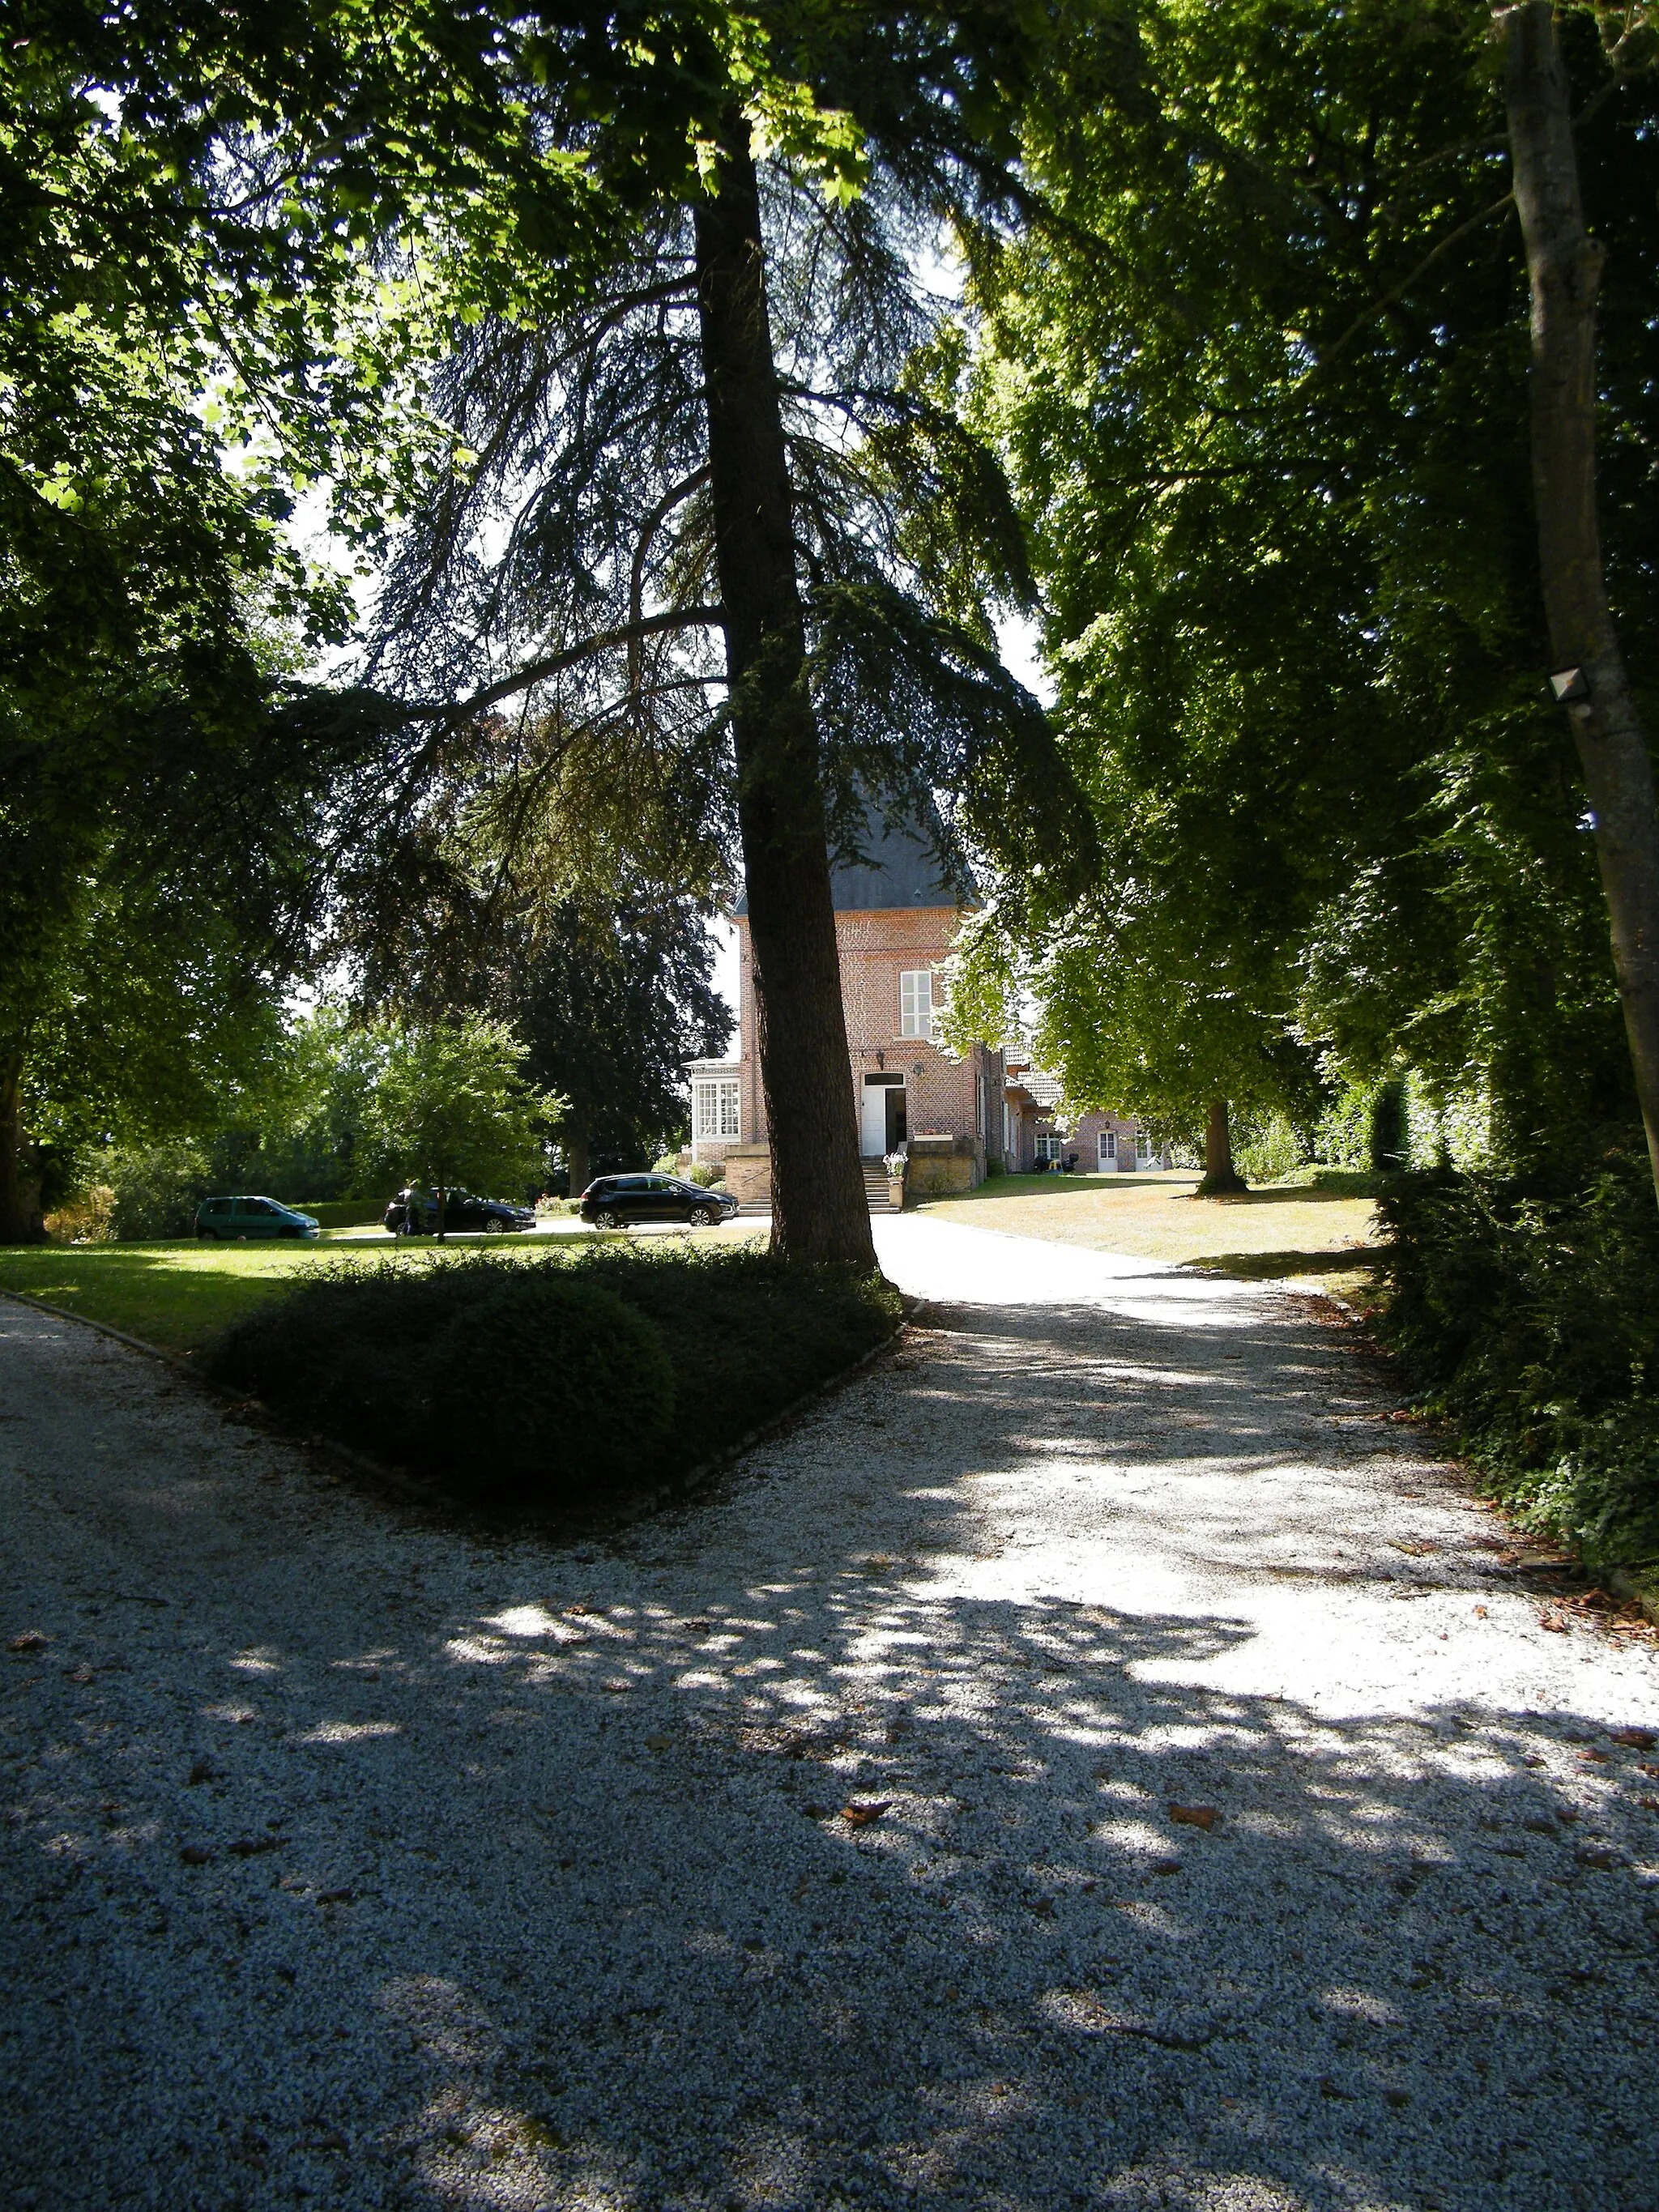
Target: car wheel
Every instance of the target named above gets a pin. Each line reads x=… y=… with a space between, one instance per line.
x=494 y=1226
x=702 y=1217
x=608 y=1218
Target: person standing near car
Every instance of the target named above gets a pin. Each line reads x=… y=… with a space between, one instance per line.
x=413 y=1209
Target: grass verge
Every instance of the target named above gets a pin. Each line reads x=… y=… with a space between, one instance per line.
x=1322 y=1227
x=177 y=1295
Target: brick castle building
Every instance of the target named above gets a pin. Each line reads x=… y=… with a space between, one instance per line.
x=897 y=918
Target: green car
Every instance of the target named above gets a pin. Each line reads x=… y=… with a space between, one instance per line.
x=240 y=1220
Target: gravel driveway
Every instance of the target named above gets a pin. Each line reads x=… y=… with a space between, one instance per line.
x=814 y=1846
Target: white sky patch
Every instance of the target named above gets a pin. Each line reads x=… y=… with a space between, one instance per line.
x=1019 y=642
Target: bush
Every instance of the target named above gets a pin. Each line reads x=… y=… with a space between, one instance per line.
x=579 y=1384
x=157 y=1189
x=1528 y=1310
x=707 y=1173
x=1270 y=1150
x=87 y=1219
x=553 y=1381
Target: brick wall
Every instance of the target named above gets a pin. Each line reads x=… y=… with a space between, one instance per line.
x=960 y=1099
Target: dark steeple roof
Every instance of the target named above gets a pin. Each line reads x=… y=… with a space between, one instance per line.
x=903 y=870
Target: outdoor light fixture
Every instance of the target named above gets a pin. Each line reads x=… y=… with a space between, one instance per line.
x=1570 y=685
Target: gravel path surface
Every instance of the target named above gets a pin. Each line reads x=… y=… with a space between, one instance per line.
x=350 y=1863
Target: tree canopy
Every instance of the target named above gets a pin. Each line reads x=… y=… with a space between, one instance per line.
x=1262 y=383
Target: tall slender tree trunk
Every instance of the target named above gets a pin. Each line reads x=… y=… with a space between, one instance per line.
x=1221 y=1178
x=15 y=1223
x=579 y=1159
x=819 y=1211
x=1564 y=265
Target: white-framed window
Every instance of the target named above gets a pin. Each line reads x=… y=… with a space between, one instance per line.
x=1108 y=1148
x=916 y=1002
x=1143 y=1148
x=714 y=1107
x=1048 y=1147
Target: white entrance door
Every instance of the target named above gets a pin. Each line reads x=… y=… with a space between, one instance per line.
x=873 y=1119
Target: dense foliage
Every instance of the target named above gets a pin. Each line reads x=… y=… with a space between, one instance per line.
x=1524 y=1307
x=1261 y=382
x=555 y=1383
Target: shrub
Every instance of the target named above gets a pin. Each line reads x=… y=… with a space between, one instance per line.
x=574 y=1384
x=157 y=1189
x=525 y=1382
x=1270 y=1150
x=1388 y=1141
x=706 y=1174
x=87 y=1218
x=1527 y=1310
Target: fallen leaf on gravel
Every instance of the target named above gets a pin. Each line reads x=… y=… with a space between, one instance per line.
x=1603 y=1861
x=1397 y=2097
x=1553 y=1622
x=1330 y=2088
x=660 y=1743
x=248 y=1847
x=30 y=1640
x=860 y=1816
x=1414 y=1551
x=1195 y=1816
x=336 y=1897
x=1166 y=1866
x=1649 y=1804
x=1480 y=1613
x=203 y=1771
x=194 y=1854
x=1648 y=1767
x=1633 y=1739
x=1594 y=1758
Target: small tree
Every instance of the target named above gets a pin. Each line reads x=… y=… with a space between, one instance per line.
x=450 y=1103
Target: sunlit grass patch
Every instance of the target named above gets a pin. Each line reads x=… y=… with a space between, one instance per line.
x=1279 y=1229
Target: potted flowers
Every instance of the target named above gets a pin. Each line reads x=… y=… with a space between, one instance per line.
x=895 y=1164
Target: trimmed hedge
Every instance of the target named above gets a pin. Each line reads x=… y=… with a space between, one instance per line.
x=556 y=1381
x=1528 y=1312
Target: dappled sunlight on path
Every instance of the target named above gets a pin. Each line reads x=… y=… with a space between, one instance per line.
x=1090 y=1762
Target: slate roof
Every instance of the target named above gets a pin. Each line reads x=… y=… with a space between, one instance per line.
x=903 y=870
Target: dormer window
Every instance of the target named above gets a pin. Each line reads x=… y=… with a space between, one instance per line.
x=916 y=1003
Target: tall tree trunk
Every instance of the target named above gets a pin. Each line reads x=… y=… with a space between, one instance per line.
x=578 y=1159
x=15 y=1223
x=1564 y=265
x=819 y=1211
x=1221 y=1178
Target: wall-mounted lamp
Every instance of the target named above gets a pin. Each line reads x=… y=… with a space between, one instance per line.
x=1570 y=686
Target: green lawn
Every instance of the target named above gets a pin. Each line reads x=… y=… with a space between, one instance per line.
x=178 y=1295
x=1285 y=1231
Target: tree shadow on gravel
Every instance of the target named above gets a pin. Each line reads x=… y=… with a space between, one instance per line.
x=742 y=1868
x=853 y=1896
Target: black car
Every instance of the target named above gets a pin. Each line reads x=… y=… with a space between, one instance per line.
x=612 y=1201
x=463 y=1211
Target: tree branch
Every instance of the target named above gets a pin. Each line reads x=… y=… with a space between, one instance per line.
x=1394 y=292
x=605 y=640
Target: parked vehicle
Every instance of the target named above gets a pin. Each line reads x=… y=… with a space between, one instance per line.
x=612 y=1201
x=463 y=1211
x=240 y=1220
